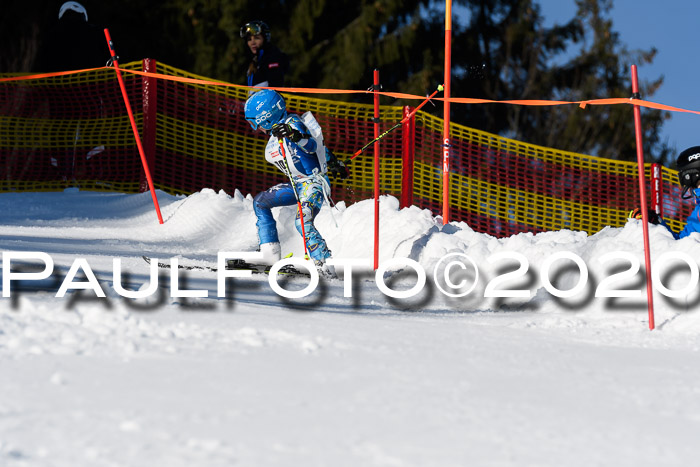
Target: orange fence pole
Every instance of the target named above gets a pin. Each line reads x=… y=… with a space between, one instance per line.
x=643 y=195
x=446 y=116
x=376 y=169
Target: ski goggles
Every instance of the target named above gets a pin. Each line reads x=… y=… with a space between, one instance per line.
x=251 y=29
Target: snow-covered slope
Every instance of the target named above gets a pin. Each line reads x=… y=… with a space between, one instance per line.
x=258 y=379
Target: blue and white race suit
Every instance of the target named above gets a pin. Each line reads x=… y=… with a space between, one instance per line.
x=305 y=161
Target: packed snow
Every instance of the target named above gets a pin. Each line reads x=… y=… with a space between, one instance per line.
x=343 y=376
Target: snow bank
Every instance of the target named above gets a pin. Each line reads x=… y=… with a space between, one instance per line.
x=105 y=226
x=256 y=379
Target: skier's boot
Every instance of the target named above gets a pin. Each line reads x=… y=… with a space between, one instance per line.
x=271 y=253
x=324 y=269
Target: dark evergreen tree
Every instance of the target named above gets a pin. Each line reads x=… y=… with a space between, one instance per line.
x=524 y=60
x=501 y=51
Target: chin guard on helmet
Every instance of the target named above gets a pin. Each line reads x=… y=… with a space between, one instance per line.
x=688 y=179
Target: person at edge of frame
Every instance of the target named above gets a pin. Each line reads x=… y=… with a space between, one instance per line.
x=72 y=43
x=688 y=165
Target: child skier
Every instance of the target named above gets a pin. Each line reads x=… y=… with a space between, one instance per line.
x=304 y=159
x=688 y=165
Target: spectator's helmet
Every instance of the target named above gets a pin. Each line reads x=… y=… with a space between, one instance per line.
x=688 y=165
x=72 y=6
x=264 y=109
x=256 y=27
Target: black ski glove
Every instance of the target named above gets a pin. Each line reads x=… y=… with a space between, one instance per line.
x=285 y=130
x=652 y=216
x=336 y=167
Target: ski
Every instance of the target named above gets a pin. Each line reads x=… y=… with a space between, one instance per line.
x=235 y=265
x=181 y=266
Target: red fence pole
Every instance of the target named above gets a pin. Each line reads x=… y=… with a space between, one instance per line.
x=446 y=116
x=408 y=147
x=657 y=190
x=376 y=169
x=643 y=195
x=113 y=54
x=150 y=109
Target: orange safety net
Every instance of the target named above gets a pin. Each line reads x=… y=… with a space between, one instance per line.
x=71 y=129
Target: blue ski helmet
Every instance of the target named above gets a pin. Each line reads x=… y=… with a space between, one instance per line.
x=264 y=109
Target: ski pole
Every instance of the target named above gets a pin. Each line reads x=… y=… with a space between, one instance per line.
x=296 y=195
x=404 y=120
